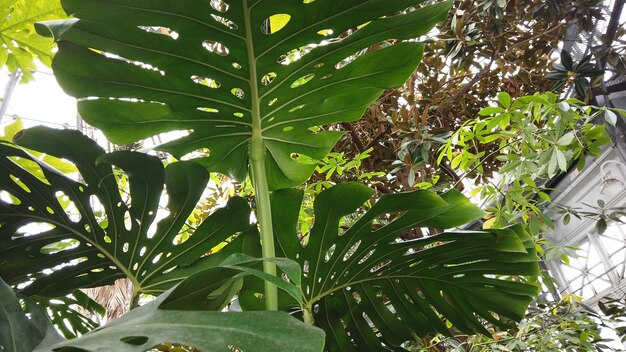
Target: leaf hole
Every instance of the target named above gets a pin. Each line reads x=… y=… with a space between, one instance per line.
x=19 y=182
x=219 y=5
x=160 y=30
x=305 y=268
x=32 y=229
x=288 y=128
x=207 y=82
x=302 y=80
x=275 y=23
x=367 y=256
x=60 y=246
x=225 y=22
x=8 y=198
x=329 y=253
x=320 y=65
x=233 y=348
x=297 y=108
x=70 y=208
x=351 y=251
x=215 y=47
x=238 y=92
x=128 y=222
x=272 y=102
x=238 y=114
x=209 y=110
x=268 y=78
x=325 y=32
x=380 y=266
x=167 y=271
x=236 y=66
x=99 y=211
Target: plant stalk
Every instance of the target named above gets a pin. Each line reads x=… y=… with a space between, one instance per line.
x=264 y=218
x=258 y=172
x=307 y=314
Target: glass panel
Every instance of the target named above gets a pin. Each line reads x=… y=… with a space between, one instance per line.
x=586 y=275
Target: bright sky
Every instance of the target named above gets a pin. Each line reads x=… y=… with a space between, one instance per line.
x=41 y=101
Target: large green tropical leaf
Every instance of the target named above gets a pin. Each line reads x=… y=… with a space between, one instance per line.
x=20 y=332
x=154 y=324
x=370 y=290
x=60 y=234
x=19 y=44
x=213 y=69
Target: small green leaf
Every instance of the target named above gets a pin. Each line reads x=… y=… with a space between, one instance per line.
x=566 y=139
x=491 y=110
x=601 y=226
x=505 y=99
x=545 y=197
x=561 y=160
x=610 y=117
x=566 y=219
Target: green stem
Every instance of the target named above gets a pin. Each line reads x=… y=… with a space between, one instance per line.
x=134 y=302
x=307 y=314
x=264 y=218
x=258 y=172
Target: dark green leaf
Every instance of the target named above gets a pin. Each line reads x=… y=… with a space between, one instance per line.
x=18 y=332
x=148 y=326
x=130 y=243
x=214 y=72
x=566 y=60
x=369 y=275
x=505 y=99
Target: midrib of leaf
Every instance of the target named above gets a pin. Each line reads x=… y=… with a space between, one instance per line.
x=258 y=172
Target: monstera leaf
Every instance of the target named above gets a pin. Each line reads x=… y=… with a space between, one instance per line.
x=21 y=332
x=60 y=234
x=372 y=291
x=155 y=324
x=244 y=79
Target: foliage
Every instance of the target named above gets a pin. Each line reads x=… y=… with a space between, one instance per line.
x=19 y=44
x=250 y=84
x=104 y=235
x=485 y=47
x=21 y=333
x=258 y=96
x=534 y=138
x=581 y=74
x=363 y=274
x=563 y=326
x=155 y=323
x=615 y=310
